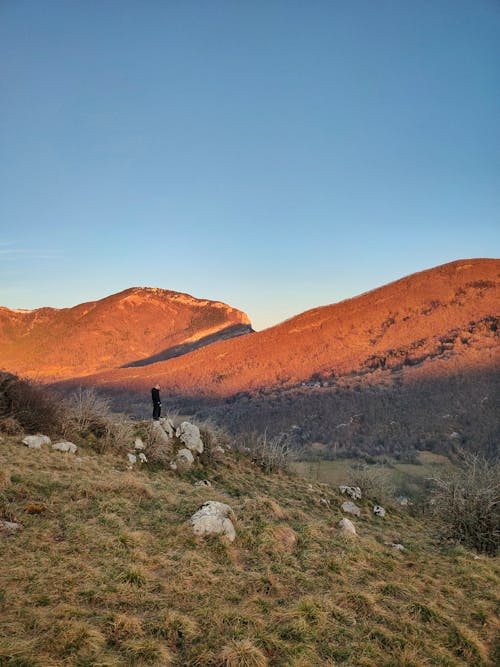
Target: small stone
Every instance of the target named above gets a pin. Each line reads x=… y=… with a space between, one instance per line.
x=36 y=441
x=142 y=457
x=132 y=458
x=139 y=445
x=347 y=527
x=351 y=508
x=379 y=510
x=65 y=446
x=9 y=526
x=203 y=482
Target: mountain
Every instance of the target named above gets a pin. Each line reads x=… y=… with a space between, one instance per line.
x=140 y=325
x=418 y=323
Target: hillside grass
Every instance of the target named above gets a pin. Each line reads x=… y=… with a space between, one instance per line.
x=107 y=572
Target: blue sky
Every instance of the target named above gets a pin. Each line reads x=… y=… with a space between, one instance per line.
x=276 y=155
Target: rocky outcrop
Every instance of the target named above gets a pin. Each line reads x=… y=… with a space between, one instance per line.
x=213 y=519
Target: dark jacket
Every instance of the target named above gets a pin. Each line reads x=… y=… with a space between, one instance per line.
x=155 y=395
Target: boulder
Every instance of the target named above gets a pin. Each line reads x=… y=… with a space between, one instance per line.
x=36 y=441
x=189 y=434
x=65 y=446
x=168 y=426
x=183 y=461
x=9 y=526
x=160 y=433
x=351 y=508
x=347 y=527
x=213 y=519
x=379 y=510
x=353 y=491
x=139 y=445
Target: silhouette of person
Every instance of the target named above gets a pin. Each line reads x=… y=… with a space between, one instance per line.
x=155 y=395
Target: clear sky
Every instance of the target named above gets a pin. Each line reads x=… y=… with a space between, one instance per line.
x=273 y=154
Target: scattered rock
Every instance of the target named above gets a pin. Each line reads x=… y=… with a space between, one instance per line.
x=347 y=527
x=454 y=436
x=351 y=508
x=353 y=491
x=139 y=445
x=36 y=441
x=213 y=519
x=324 y=501
x=378 y=510
x=142 y=457
x=203 y=482
x=183 y=461
x=65 y=446
x=397 y=545
x=403 y=501
x=189 y=434
x=9 y=526
x=132 y=458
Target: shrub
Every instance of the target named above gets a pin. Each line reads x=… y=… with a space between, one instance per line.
x=88 y=415
x=467 y=504
x=373 y=480
x=32 y=407
x=271 y=454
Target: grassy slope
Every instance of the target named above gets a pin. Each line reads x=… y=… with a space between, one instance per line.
x=111 y=574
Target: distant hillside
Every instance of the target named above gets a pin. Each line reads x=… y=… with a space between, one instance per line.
x=418 y=322
x=136 y=326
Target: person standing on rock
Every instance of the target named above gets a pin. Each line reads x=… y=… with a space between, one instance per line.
x=155 y=395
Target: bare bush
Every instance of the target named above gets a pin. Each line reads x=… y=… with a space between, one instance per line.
x=32 y=406
x=271 y=454
x=373 y=480
x=214 y=439
x=88 y=416
x=467 y=504
x=86 y=409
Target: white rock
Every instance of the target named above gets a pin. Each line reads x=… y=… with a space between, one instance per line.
x=378 y=510
x=353 y=491
x=397 y=546
x=213 y=519
x=347 y=527
x=160 y=433
x=36 y=441
x=203 y=482
x=351 y=508
x=454 y=436
x=132 y=458
x=142 y=458
x=138 y=444
x=189 y=434
x=65 y=446
x=9 y=526
x=186 y=455
x=168 y=426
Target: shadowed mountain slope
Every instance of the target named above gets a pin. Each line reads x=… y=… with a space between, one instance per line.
x=418 y=322
x=137 y=324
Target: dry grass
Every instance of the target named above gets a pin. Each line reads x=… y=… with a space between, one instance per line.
x=110 y=574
